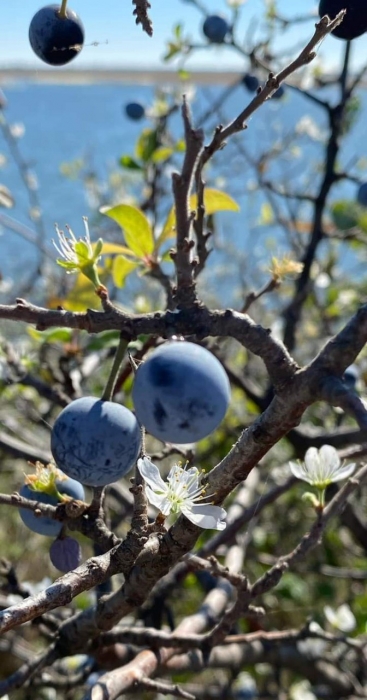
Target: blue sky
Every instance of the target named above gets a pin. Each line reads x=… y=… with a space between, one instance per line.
x=128 y=47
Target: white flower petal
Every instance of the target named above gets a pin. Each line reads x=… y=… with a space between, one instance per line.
x=206 y=516
x=298 y=470
x=329 y=459
x=321 y=467
x=154 y=498
x=151 y=475
x=330 y=615
x=342 y=618
x=312 y=461
x=346 y=620
x=193 y=483
x=166 y=506
x=344 y=471
x=180 y=494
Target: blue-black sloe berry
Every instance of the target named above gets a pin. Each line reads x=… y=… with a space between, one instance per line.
x=95 y=441
x=355 y=21
x=181 y=392
x=56 y=40
x=215 y=28
x=362 y=194
x=251 y=82
x=42 y=524
x=65 y=554
x=135 y=111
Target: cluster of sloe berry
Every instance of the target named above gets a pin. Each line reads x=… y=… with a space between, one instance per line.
x=65 y=552
x=57 y=36
x=180 y=393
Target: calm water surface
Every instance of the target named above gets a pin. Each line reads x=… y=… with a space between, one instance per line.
x=65 y=122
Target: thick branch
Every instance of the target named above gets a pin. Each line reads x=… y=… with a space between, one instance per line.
x=197 y=321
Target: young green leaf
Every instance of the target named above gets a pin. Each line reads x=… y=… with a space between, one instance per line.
x=162 y=153
x=344 y=214
x=111 y=248
x=137 y=229
x=121 y=268
x=214 y=200
x=129 y=163
x=146 y=145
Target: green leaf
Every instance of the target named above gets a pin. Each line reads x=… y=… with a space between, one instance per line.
x=177 y=30
x=183 y=74
x=146 y=145
x=106 y=339
x=82 y=296
x=53 y=335
x=180 y=146
x=122 y=267
x=111 y=248
x=129 y=163
x=214 y=200
x=362 y=221
x=166 y=257
x=137 y=230
x=162 y=153
x=172 y=50
x=345 y=213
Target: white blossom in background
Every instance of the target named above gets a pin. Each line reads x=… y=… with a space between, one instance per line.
x=342 y=618
x=181 y=493
x=307 y=126
x=322 y=467
x=301 y=691
x=245 y=687
x=17 y=130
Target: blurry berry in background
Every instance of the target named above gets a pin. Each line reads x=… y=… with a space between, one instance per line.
x=135 y=111
x=215 y=29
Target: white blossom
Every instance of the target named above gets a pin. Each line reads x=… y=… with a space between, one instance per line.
x=342 y=618
x=66 y=245
x=181 y=493
x=79 y=255
x=321 y=467
x=302 y=691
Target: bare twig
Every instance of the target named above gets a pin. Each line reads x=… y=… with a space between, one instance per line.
x=142 y=17
x=28 y=670
x=182 y=183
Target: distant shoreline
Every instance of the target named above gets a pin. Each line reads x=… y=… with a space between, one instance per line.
x=113 y=75
x=128 y=76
